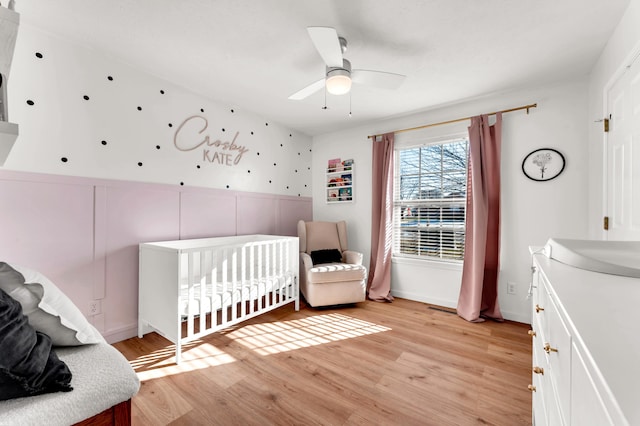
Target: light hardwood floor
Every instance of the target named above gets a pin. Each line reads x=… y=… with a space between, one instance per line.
x=400 y=363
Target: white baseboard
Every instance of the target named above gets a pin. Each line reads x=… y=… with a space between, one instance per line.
x=511 y=316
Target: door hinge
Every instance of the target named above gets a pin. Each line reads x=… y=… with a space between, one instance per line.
x=606 y=223
x=606 y=125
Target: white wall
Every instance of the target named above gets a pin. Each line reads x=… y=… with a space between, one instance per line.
x=532 y=211
x=619 y=52
x=137 y=116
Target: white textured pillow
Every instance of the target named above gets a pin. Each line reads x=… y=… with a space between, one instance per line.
x=49 y=310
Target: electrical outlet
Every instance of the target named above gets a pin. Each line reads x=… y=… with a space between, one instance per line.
x=511 y=288
x=94 y=307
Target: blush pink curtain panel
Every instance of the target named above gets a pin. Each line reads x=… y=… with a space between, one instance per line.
x=379 y=282
x=479 y=292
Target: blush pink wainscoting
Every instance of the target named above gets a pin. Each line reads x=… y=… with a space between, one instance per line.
x=83 y=233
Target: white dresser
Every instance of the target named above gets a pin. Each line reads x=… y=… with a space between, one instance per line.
x=586 y=346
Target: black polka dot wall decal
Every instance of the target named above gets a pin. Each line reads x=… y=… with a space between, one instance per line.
x=181 y=183
x=161 y=92
x=257 y=153
x=266 y=124
x=201 y=109
x=109 y=78
x=232 y=111
x=269 y=181
x=298 y=153
x=296 y=170
x=139 y=108
x=287 y=186
x=38 y=55
x=140 y=163
x=280 y=144
x=170 y=125
x=85 y=97
x=305 y=185
x=274 y=164
x=157 y=146
x=290 y=135
x=223 y=129
x=227 y=186
x=30 y=102
x=248 y=171
x=64 y=159
x=251 y=132
x=198 y=166
x=298 y=195
x=103 y=142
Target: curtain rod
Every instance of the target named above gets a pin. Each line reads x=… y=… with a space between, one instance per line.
x=527 y=107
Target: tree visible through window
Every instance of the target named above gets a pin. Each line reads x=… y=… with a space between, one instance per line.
x=430 y=199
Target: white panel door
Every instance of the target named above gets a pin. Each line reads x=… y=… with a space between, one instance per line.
x=623 y=157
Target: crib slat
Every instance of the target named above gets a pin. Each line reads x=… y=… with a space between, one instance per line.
x=234 y=283
x=252 y=275
x=260 y=276
x=191 y=292
x=223 y=295
x=214 y=287
x=244 y=287
x=204 y=256
x=287 y=268
x=268 y=286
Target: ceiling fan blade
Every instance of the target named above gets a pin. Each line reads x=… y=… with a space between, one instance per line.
x=307 y=91
x=328 y=45
x=383 y=80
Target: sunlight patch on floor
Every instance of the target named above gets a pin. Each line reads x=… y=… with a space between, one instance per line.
x=283 y=336
x=264 y=339
x=196 y=355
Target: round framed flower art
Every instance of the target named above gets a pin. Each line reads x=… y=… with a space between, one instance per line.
x=543 y=164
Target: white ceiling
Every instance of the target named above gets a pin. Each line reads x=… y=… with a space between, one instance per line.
x=253 y=54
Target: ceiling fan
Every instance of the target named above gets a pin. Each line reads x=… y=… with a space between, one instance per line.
x=339 y=75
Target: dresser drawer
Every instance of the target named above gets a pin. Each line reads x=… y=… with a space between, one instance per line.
x=555 y=345
x=545 y=402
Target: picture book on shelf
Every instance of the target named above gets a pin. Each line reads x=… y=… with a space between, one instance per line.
x=336 y=181
x=345 y=194
x=333 y=163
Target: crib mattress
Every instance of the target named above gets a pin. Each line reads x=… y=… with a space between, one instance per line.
x=226 y=295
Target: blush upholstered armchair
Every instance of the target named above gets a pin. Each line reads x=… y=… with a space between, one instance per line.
x=330 y=274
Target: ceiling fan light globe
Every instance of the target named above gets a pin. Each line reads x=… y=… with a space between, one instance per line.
x=338 y=84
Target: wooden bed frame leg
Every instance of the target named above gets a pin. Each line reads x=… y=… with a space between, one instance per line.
x=119 y=414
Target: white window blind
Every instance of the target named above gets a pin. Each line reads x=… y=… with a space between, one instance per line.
x=429 y=200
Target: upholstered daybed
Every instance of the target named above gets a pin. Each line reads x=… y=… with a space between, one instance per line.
x=55 y=367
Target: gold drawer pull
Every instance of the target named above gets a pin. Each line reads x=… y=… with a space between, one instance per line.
x=538 y=308
x=547 y=348
x=538 y=370
x=531 y=388
x=531 y=333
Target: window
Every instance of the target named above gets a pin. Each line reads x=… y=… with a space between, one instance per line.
x=429 y=200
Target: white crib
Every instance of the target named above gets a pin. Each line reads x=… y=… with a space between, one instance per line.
x=191 y=288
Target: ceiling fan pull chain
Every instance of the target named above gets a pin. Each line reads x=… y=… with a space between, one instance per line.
x=325 y=99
